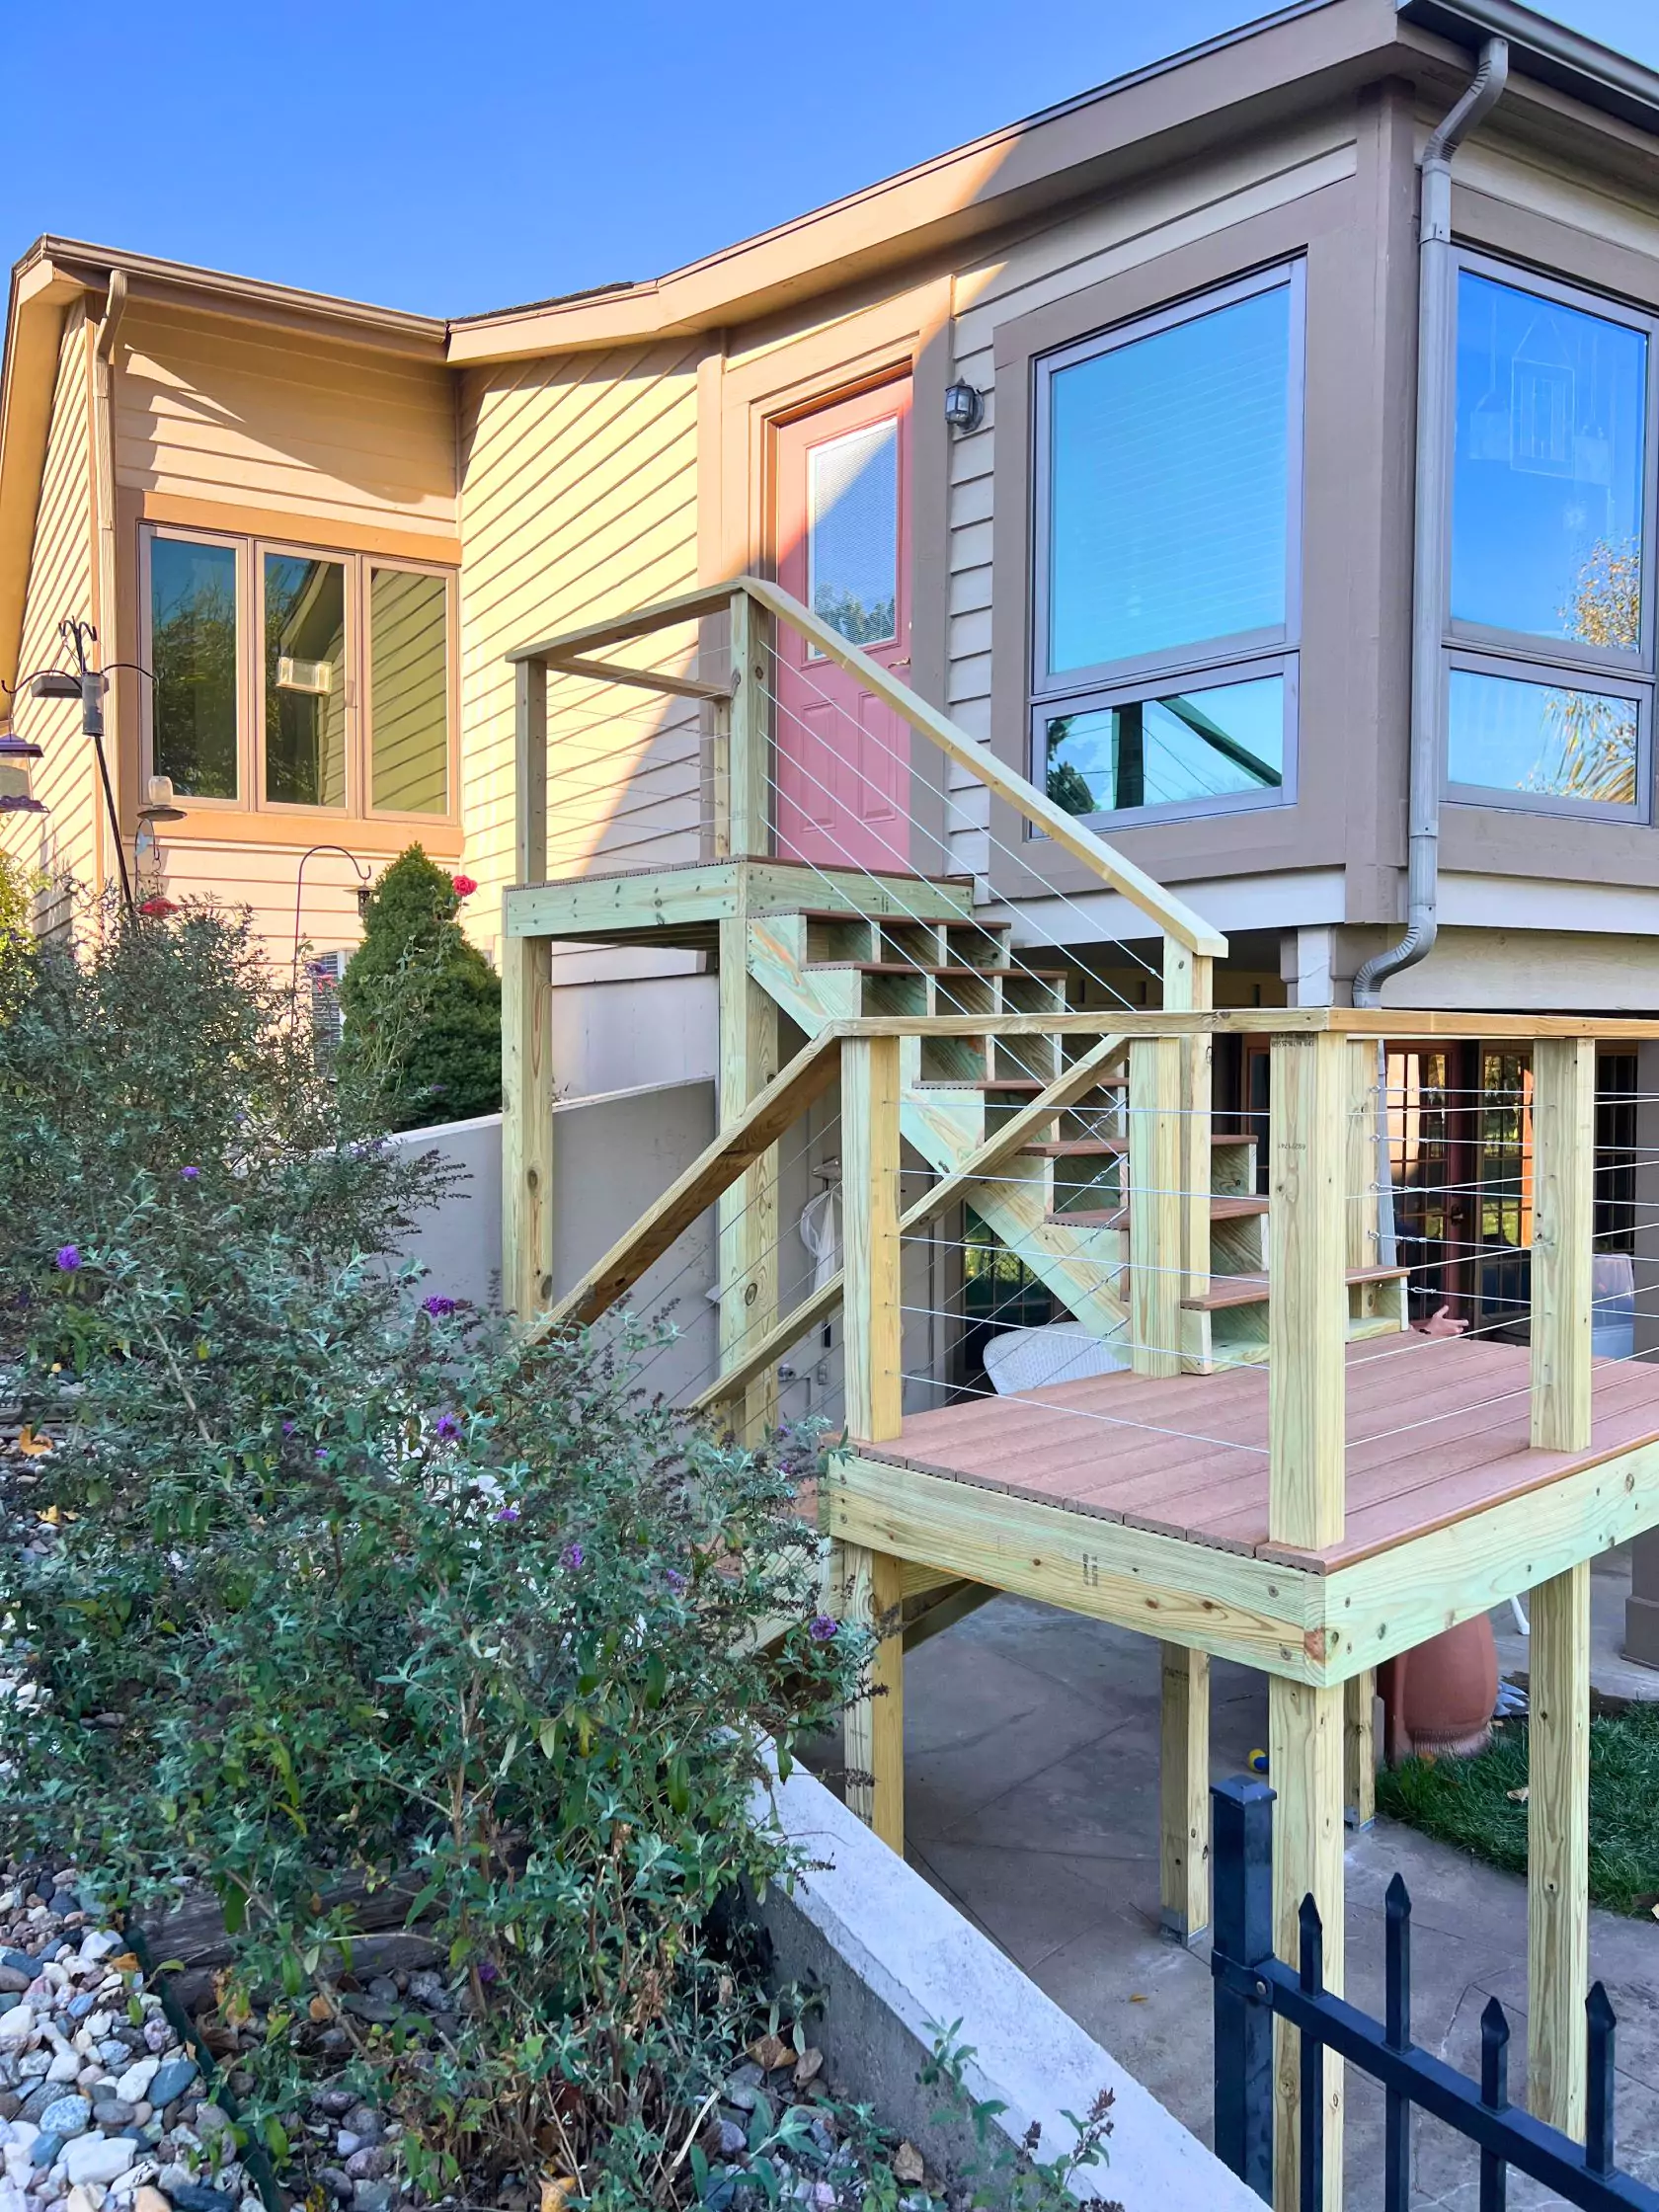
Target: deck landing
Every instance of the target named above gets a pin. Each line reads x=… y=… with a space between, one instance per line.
x=1437 y=1431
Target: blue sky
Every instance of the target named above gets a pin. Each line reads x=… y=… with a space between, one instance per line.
x=452 y=157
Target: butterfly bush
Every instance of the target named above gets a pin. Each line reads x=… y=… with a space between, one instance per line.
x=354 y=1595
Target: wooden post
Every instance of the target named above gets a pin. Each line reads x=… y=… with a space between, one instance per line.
x=1308 y=1315
x=1155 y=1204
x=1362 y=1233
x=747 y=1216
x=1305 y=1755
x=873 y=1728
x=1184 y=1792
x=1358 y=1741
x=526 y=1027
x=747 y=734
x=1563 y=1191
x=1558 y=1849
x=870 y=1302
x=1189 y=987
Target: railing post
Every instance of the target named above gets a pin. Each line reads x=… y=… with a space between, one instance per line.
x=1241 y=1826
x=747 y=810
x=870 y=1298
x=526 y=1027
x=1155 y=1204
x=1308 y=1315
x=1189 y=988
x=1563 y=1227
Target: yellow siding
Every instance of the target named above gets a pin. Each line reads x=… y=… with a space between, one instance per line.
x=66 y=841
x=264 y=878
x=579 y=500
x=220 y=411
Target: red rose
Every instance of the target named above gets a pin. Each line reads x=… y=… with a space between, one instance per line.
x=462 y=886
x=158 y=909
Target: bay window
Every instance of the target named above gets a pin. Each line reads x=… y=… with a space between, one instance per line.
x=287 y=679
x=1167 y=533
x=1550 y=631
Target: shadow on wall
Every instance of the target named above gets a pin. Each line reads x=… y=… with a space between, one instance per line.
x=613 y=1155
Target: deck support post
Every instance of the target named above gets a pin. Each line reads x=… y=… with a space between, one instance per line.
x=747 y=1215
x=1184 y=1792
x=1359 y=1747
x=526 y=974
x=1155 y=1205
x=1307 y=1319
x=870 y=1296
x=1305 y=1754
x=1563 y=1227
x=1558 y=1850
x=873 y=1728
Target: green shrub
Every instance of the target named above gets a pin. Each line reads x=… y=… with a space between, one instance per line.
x=426 y=999
x=332 y=1588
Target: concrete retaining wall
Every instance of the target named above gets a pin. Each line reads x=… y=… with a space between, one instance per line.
x=893 y=1962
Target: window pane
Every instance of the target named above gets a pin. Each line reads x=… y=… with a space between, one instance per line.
x=304 y=680
x=193 y=655
x=1546 y=497
x=852 y=533
x=1168 y=482
x=1157 y=752
x=1512 y=735
x=409 y=691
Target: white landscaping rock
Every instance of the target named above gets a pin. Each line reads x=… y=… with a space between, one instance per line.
x=16 y=2024
x=131 y=2085
x=97 y=2158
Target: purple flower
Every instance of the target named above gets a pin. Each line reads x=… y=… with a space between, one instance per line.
x=572 y=1557
x=487 y=1971
x=507 y=1513
x=674 y=1580
x=437 y=1307
x=288 y=1427
x=321 y=1452
x=189 y=1174
x=445 y=1427
x=822 y=1628
x=68 y=1257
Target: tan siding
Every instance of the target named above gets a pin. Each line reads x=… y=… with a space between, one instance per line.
x=579 y=500
x=64 y=842
x=209 y=410
x=1122 y=232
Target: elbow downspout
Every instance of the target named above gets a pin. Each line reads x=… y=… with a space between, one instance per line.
x=1429 y=551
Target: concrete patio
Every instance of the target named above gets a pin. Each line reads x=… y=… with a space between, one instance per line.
x=1031 y=1779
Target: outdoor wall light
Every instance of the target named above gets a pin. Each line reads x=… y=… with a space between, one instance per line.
x=964 y=408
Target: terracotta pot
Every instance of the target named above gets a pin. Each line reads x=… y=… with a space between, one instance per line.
x=1439 y=1700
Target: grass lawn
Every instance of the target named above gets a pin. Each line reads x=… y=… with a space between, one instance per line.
x=1470 y=1802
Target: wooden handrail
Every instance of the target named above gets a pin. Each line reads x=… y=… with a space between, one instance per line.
x=1079 y=1078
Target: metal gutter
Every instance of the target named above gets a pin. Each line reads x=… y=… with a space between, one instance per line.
x=1430 y=549
x=1547 y=52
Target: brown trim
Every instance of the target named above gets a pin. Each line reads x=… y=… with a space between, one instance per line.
x=1342 y=466
x=291 y=523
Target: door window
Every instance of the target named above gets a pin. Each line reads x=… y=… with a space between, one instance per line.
x=852 y=533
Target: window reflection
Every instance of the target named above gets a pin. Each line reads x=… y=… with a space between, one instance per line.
x=852 y=533
x=192 y=654
x=1195 y=745
x=304 y=686
x=409 y=691
x=1542 y=739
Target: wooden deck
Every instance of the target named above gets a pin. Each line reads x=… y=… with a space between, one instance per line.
x=1437 y=1432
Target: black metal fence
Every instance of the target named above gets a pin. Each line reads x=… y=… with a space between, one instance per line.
x=1252 y=1985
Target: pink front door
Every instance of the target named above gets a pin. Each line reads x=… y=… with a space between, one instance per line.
x=843 y=757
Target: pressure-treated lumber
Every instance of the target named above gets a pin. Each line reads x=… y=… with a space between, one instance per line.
x=1563 y=1225
x=1184 y=1792
x=873 y=1726
x=749 y=778
x=747 y=1215
x=1359 y=1747
x=639 y=679
x=1171 y=914
x=1305 y=1765
x=1558 y=1849
x=593 y=636
x=1308 y=1315
x=1155 y=1205
x=527 y=1127
x=1362 y=1224
x=1189 y=985
x=1080 y=1077
x=872 y=1358
x=807 y=1076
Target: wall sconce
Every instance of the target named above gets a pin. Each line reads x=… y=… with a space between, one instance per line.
x=964 y=408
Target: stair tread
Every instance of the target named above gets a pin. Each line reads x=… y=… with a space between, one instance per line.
x=901 y=922
x=1255 y=1289
x=1087 y=1147
x=1015 y=1084
x=1223 y=1208
x=919 y=968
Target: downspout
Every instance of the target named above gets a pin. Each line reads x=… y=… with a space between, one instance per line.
x=1429 y=552
x=104 y=493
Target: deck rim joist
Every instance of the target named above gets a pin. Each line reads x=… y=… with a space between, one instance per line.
x=681 y=906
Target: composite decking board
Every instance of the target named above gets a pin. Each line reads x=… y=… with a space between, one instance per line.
x=1431 y=1444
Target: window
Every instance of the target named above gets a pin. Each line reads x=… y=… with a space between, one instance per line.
x=1168 y=516
x=1549 y=663
x=852 y=532
x=290 y=679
